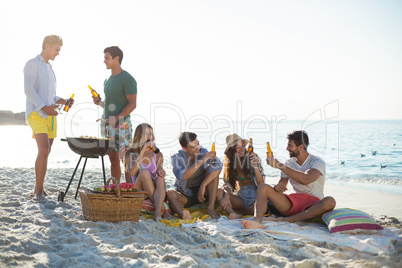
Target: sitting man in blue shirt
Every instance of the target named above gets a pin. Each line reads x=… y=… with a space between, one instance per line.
x=195 y=176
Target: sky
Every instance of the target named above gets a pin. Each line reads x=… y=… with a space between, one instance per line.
x=216 y=59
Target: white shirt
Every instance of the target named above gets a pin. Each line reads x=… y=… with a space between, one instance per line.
x=39 y=85
x=316 y=188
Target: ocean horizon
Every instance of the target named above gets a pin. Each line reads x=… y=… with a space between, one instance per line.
x=360 y=153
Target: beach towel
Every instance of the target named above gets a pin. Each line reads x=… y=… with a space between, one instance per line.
x=380 y=242
x=198 y=212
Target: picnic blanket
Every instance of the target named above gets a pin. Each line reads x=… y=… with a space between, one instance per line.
x=198 y=213
x=375 y=243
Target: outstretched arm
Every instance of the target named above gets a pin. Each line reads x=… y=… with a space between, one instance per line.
x=308 y=177
x=256 y=165
x=197 y=164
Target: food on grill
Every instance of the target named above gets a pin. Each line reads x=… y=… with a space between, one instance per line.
x=92 y=137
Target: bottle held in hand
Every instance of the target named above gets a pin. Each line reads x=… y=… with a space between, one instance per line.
x=94 y=93
x=68 y=103
x=154 y=148
x=269 y=150
x=250 y=146
x=213 y=160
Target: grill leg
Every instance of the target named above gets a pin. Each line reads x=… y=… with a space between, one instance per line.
x=103 y=168
x=82 y=173
x=72 y=177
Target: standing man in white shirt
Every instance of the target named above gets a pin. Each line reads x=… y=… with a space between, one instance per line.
x=41 y=101
x=306 y=174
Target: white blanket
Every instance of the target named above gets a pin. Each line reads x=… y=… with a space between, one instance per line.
x=375 y=243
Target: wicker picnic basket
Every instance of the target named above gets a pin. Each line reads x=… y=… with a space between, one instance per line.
x=111 y=207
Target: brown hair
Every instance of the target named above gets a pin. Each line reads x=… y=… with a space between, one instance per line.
x=299 y=137
x=233 y=163
x=114 y=52
x=52 y=39
x=186 y=137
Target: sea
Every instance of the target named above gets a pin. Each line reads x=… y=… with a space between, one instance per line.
x=362 y=154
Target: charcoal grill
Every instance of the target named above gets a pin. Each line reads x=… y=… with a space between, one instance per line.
x=86 y=148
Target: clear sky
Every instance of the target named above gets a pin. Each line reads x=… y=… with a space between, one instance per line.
x=209 y=58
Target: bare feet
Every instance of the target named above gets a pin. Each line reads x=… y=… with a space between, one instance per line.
x=234 y=216
x=167 y=216
x=39 y=197
x=157 y=217
x=43 y=192
x=186 y=215
x=212 y=213
x=248 y=224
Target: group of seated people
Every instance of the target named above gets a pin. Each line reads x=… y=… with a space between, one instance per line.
x=244 y=191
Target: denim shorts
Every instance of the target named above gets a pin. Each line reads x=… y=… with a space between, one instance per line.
x=248 y=194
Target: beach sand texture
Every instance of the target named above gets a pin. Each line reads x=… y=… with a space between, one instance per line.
x=55 y=234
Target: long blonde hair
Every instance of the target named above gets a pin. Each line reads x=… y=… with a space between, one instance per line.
x=136 y=145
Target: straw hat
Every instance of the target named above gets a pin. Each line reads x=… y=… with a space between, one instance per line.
x=232 y=139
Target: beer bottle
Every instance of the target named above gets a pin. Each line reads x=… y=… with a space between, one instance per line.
x=269 y=150
x=213 y=160
x=154 y=148
x=94 y=93
x=250 y=146
x=68 y=103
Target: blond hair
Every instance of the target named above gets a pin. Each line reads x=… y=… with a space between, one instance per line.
x=52 y=39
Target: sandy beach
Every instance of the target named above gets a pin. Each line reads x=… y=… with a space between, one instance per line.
x=55 y=234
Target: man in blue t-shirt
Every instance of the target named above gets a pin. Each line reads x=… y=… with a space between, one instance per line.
x=196 y=177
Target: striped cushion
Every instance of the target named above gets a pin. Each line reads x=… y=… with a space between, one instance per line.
x=347 y=219
x=148 y=208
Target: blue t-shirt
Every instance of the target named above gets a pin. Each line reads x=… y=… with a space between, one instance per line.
x=180 y=163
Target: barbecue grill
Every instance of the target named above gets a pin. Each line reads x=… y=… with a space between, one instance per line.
x=87 y=148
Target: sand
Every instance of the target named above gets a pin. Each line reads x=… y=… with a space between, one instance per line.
x=55 y=234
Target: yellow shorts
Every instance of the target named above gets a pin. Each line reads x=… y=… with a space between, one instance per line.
x=41 y=125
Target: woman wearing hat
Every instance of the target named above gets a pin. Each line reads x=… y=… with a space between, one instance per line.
x=242 y=173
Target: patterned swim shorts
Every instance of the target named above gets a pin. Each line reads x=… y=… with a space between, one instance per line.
x=120 y=135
